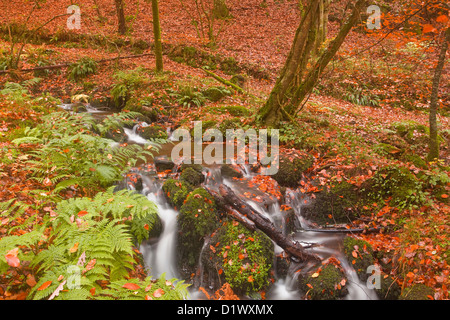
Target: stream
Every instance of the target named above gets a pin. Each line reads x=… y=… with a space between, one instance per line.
x=159 y=254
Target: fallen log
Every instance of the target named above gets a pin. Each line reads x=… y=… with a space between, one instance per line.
x=292 y=248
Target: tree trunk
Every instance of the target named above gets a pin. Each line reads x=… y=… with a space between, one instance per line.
x=157 y=35
x=292 y=87
x=434 y=104
x=122 y=28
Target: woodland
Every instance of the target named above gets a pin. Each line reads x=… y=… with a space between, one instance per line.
x=93 y=206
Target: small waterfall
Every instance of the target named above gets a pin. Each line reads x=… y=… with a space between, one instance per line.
x=160 y=256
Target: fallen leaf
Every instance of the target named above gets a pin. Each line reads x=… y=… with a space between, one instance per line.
x=74 y=248
x=158 y=293
x=131 y=286
x=45 y=285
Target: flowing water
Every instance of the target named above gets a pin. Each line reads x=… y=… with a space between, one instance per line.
x=159 y=254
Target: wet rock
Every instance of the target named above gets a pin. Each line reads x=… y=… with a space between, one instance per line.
x=197 y=219
x=291 y=168
x=176 y=192
x=339 y=204
x=163 y=164
x=325 y=283
x=228 y=171
x=360 y=254
x=151 y=132
x=192 y=176
x=389 y=288
x=117 y=134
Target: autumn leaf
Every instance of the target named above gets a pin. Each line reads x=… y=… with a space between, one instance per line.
x=250 y=279
x=30 y=280
x=131 y=286
x=45 y=285
x=315 y=275
x=11 y=258
x=146 y=227
x=82 y=213
x=442 y=19
x=427 y=28
x=354 y=254
x=74 y=248
x=158 y=293
x=444 y=196
x=92 y=291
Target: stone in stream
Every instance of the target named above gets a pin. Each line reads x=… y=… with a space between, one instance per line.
x=163 y=164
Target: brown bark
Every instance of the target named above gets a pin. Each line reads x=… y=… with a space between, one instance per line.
x=122 y=28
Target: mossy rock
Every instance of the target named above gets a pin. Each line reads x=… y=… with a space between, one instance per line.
x=291 y=169
x=325 y=286
x=341 y=203
x=196 y=167
x=417 y=292
x=236 y=111
x=176 y=192
x=239 y=80
x=364 y=255
x=415 y=159
x=117 y=134
x=246 y=257
x=398 y=184
x=230 y=124
x=192 y=176
x=229 y=66
x=152 y=132
x=216 y=93
x=197 y=219
x=389 y=288
x=228 y=171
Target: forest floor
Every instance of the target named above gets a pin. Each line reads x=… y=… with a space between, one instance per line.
x=369 y=111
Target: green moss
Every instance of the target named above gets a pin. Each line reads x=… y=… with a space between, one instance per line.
x=216 y=93
x=389 y=289
x=152 y=132
x=236 y=111
x=325 y=286
x=398 y=184
x=291 y=169
x=192 y=176
x=197 y=219
x=176 y=191
x=364 y=255
x=417 y=292
x=247 y=258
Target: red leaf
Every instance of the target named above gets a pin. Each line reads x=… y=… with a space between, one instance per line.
x=11 y=258
x=428 y=28
x=45 y=285
x=82 y=213
x=131 y=286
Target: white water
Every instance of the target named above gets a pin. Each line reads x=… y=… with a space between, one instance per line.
x=160 y=256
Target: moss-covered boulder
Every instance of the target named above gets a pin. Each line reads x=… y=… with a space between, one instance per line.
x=152 y=132
x=197 y=219
x=239 y=80
x=291 y=168
x=397 y=184
x=340 y=203
x=176 y=192
x=417 y=292
x=389 y=288
x=326 y=283
x=360 y=255
x=216 y=93
x=117 y=134
x=228 y=171
x=245 y=257
x=236 y=111
x=192 y=176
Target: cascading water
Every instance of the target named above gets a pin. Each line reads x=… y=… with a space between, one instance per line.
x=160 y=257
